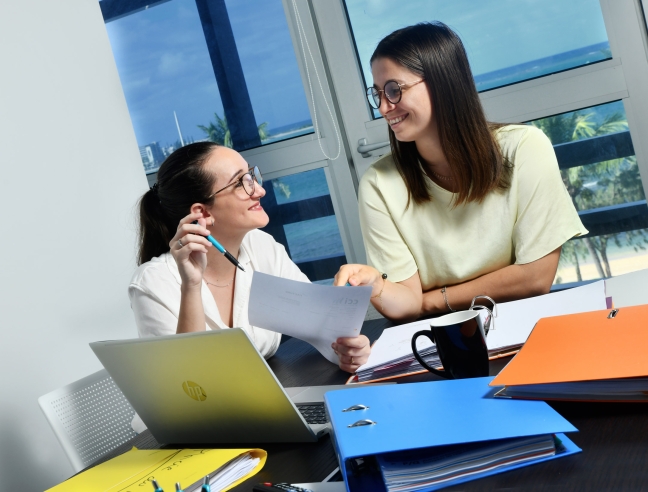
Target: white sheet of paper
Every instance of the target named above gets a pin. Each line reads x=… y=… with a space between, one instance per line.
x=317 y=314
x=515 y=320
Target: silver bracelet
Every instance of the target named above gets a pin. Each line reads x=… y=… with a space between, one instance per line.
x=445 y=298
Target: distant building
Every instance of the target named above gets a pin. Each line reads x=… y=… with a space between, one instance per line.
x=152 y=156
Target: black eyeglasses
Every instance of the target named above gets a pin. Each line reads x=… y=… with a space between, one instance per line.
x=393 y=92
x=246 y=181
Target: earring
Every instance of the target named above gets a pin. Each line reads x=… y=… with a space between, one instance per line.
x=213 y=222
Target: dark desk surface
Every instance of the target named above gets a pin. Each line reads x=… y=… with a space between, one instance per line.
x=613 y=436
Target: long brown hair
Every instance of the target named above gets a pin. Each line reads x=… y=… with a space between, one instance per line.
x=181 y=182
x=435 y=53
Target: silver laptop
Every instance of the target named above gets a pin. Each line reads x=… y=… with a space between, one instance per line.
x=210 y=387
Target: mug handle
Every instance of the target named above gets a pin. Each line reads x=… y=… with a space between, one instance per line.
x=426 y=333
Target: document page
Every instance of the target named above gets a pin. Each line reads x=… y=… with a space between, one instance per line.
x=516 y=319
x=396 y=343
x=317 y=314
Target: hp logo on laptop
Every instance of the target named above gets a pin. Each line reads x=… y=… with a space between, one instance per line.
x=194 y=390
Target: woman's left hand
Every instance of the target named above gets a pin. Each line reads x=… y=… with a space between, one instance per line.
x=352 y=351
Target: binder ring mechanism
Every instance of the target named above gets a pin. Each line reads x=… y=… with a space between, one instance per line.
x=490 y=322
x=356 y=407
x=362 y=423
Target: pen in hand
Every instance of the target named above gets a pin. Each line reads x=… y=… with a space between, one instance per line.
x=220 y=248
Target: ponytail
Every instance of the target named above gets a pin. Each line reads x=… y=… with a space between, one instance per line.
x=182 y=181
x=154 y=234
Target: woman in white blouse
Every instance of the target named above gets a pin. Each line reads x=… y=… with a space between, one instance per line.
x=183 y=284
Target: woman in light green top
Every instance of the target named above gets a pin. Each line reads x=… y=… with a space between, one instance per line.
x=462 y=206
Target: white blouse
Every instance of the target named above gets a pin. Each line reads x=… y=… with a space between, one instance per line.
x=154 y=291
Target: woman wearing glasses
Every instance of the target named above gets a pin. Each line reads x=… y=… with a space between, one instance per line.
x=183 y=283
x=461 y=207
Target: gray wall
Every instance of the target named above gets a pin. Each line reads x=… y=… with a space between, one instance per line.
x=70 y=174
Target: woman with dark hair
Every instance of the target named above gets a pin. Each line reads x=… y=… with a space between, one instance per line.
x=461 y=207
x=183 y=284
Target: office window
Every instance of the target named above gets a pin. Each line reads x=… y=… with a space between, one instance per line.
x=507 y=41
x=600 y=171
x=303 y=220
x=220 y=70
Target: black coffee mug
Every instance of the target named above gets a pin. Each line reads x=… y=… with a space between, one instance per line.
x=460 y=339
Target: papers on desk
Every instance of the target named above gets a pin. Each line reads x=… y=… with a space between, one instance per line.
x=515 y=320
x=440 y=467
x=317 y=314
x=135 y=469
x=391 y=355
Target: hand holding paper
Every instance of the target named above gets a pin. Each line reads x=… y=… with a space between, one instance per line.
x=317 y=314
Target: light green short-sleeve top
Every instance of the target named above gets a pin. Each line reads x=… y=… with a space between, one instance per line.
x=449 y=245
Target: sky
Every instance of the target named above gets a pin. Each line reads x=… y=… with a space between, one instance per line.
x=496 y=33
x=164 y=64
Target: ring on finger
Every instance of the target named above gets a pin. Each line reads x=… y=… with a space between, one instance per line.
x=180 y=243
x=352 y=362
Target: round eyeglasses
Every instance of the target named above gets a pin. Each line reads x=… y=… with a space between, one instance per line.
x=393 y=92
x=246 y=182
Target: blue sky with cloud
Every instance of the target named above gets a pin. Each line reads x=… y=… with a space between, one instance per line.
x=164 y=64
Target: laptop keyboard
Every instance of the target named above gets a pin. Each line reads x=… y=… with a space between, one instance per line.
x=313 y=413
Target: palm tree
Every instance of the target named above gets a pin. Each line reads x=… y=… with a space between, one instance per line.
x=595 y=185
x=219 y=132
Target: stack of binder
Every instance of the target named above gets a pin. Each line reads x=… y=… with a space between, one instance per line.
x=597 y=356
x=403 y=366
x=425 y=436
x=393 y=356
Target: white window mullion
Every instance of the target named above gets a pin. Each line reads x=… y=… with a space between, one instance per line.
x=627 y=30
x=567 y=91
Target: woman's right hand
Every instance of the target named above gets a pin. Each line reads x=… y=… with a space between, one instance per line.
x=398 y=301
x=189 y=248
x=356 y=274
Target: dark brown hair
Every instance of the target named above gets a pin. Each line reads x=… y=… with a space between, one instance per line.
x=435 y=53
x=181 y=182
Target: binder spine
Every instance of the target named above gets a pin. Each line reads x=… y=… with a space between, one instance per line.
x=336 y=446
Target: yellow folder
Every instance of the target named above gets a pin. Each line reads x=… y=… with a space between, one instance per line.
x=137 y=468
